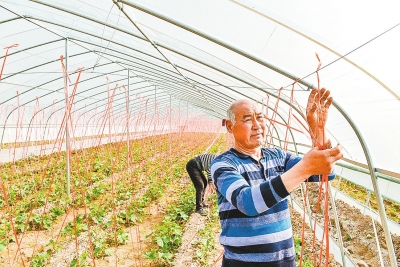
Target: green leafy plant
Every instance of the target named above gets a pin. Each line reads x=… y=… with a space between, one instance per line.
x=75 y=227
x=110 y=208
x=3 y=244
x=297 y=246
x=40 y=259
x=122 y=237
x=80 y=261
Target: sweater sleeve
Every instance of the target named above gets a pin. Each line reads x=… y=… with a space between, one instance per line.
x=250 y=200
x=292 y=160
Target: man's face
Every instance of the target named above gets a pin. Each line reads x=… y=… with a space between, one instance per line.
x=249 y=127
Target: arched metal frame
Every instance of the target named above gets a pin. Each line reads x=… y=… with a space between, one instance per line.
x=203 y=102
x=381 y=207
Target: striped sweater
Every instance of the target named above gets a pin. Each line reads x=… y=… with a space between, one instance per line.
x=204 y=163
x=253 y=208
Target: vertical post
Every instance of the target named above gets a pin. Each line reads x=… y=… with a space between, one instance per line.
x=374 y=179
x=179 y=122
x=127 y=123
x=170 y=126
x=338 y=230
x=154 y=121
x=67 y=147
x=179 y=116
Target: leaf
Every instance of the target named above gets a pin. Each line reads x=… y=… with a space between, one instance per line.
x=73 y=262
x=159 y=241
x=108 y=251
x=150 y=255
x=3 y=245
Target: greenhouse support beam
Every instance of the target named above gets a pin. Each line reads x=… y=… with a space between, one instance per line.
x=383 y=172
x=334 y=246
x=378 y=174
x=8 y=20
x=381 y=207
x=32 y=47
x=127 y=121
x=184 y=94
x=108 y=40
x=67 y=113
x=270 y=16
x=360 y=167
x=337 y=223
x=155 y=46
x=159 y=44
x=31 y=89
x=155 y=110
x=389 y=173
x=302 y=185
x=216 y=40
x=170 y=116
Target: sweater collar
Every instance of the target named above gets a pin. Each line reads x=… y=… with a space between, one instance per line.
x=243 y=156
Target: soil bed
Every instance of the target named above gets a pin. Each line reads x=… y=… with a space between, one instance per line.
x=357 y=231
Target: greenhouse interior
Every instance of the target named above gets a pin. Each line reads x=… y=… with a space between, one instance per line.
x=104 y=102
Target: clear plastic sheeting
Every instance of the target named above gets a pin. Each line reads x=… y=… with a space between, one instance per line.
x=178 y=57
x=356 y=43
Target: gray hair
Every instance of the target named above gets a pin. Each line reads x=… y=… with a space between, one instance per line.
x=230 y=114
x=231 y=110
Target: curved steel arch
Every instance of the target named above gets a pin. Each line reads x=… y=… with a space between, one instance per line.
x=271 y=17
x=254 y=58
x=363 y=143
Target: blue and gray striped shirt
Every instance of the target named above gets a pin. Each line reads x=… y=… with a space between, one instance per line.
x=204 y=163
x=253 y=209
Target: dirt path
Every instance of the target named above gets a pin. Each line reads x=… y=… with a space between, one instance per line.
x=357 y=232
x=184 y=257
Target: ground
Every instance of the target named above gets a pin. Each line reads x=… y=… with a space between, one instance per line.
x=357 y=232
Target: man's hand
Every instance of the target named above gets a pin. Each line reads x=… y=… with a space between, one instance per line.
x=321 y=162
x=211 y=188
x=317 y=114
x=314 y=162
x=317 y=108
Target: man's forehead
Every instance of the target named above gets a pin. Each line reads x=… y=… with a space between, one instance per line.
x=248 y=108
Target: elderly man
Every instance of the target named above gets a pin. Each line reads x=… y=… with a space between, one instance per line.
x=253 y=182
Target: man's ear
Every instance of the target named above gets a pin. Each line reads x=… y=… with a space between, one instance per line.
x=229 y=126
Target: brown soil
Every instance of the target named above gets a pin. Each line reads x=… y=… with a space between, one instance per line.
x=357 y=232
x=128 y=255
x=185 y=253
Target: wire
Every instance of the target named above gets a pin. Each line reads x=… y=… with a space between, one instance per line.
x=349 y=52
x=102 y=36
x=161 y=80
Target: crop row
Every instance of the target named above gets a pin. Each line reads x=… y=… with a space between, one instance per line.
x=110 y=191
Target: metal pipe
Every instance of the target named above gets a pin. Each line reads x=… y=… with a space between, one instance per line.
x=381 y=207
x=67 y=113
x=362 y=170
x=340 y=56
x=338 y=231
x=155 y=46
x=127 y=122
x=216 y=40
